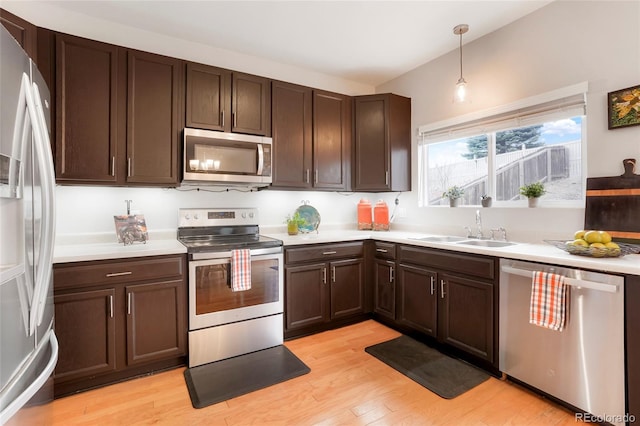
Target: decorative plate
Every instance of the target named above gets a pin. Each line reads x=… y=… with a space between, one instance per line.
x=596 y=251
x=311 y=215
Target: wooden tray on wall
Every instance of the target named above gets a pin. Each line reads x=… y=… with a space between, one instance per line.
x=613 y=204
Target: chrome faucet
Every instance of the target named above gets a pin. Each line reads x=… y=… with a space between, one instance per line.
x=479 y=224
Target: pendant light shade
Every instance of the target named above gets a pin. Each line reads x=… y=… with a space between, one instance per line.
x=461 y=86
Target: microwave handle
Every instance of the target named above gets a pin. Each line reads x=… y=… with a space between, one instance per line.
x=260 y=159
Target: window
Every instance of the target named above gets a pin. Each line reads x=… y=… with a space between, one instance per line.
x=497 y=154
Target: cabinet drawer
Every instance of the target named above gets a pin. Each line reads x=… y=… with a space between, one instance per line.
x=385 y=250
x=321 y=252
x=478 y=266
x=120 y=271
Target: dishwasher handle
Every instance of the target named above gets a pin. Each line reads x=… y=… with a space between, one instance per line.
x=592 y=285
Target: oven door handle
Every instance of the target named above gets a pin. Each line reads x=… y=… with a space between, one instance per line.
x=228 y=254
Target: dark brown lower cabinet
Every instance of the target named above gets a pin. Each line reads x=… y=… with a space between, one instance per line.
x=385 y=289
x=118 y=319
x=417 y=299
x=322 y=294
x=632 y=314
x=447 y=296
x=85 y=328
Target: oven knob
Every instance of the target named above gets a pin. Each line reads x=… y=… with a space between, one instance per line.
x=187 y=216
x=244 y=215
x=195 y=216
x=251 y=215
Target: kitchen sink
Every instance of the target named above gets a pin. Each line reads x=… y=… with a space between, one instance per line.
x=486 y=243
x=441 y=239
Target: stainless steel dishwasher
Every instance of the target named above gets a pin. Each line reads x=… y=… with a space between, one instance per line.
x=583 y=365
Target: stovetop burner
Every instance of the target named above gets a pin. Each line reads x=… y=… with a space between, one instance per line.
x=210 y=230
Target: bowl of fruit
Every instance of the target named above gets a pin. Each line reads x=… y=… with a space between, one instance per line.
x=594 y=244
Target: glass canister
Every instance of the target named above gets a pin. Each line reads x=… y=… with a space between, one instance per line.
x=364 y=215
x=381 y=216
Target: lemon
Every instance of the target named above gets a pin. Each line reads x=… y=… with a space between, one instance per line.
x=612 y=245
x=580 y=242
x=597 y=245
x=593 y=237
x=579 y=234
x=604 y=237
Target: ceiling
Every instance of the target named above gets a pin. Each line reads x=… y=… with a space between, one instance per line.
x=369 y=42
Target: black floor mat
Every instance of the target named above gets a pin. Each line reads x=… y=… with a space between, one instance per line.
x=443 y=375
x=221 y=380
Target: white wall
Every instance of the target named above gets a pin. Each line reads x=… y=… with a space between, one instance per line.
x=561 y=44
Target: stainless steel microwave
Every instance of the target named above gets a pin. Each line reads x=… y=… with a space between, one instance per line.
x=219 y=158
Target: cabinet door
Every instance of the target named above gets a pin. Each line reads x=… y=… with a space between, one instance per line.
x=292 y=135
x=331 y=140
x=88 y=99
x=385 y=291
x=632 y=301
x=417 y=299
x=85 y=328
x=306 y=289
x=156 y=326
x=208 y=97
x=153 y=118
x=251 y=104
x=371 y=144
x=347 y=288
x=465 y=315
x=24 y=32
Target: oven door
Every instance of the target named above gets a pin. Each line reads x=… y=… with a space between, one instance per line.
x=213 y=303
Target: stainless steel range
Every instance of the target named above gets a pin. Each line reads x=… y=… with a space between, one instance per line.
x=224 y=323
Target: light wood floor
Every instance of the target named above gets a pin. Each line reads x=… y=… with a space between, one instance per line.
x=346 y=386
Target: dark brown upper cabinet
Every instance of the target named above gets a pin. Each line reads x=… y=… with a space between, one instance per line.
x=24 y=32
x=90 y=95
x=382 y=145
x=118 y=114
x=311 y=138
x=154 y=106
x=331 y=141
x=219 y=99
x=291 y=109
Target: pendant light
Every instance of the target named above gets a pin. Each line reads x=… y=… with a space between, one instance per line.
x=461 y=85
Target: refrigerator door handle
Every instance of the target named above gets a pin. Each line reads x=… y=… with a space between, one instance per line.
x=45 y=161
x=28 y=393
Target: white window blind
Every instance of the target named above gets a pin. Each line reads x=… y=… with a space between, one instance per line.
x=563 y=102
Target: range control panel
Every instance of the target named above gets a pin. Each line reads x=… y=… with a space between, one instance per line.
x=217 y=217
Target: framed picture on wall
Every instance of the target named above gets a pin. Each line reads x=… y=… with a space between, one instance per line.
x=624 y=107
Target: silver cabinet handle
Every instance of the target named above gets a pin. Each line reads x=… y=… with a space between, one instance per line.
x=329 y=252
x=234 y=119
x=129 y=303
x=113 y=166
x=324 y=275
x=118 y=274
x=129 y=167
x=307 y=177
x=390 y=274
x=316 y=176
x=386 y=177
x=433 y=285
x=333 y=274
x=111 y=306
x=222 y=117
x=379 y=250
x=442 y=293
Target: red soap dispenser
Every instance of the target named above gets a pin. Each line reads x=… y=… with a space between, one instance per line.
x=381 y=216
x=364 y=215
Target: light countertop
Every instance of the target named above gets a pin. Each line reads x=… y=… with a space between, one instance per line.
x=101 y=247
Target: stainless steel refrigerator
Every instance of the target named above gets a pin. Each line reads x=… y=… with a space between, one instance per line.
x=28 y=345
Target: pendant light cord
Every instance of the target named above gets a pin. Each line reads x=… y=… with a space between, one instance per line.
x=460 y=55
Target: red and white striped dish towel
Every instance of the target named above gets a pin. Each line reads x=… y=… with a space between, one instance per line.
x=549 y=301
x=240 y=270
